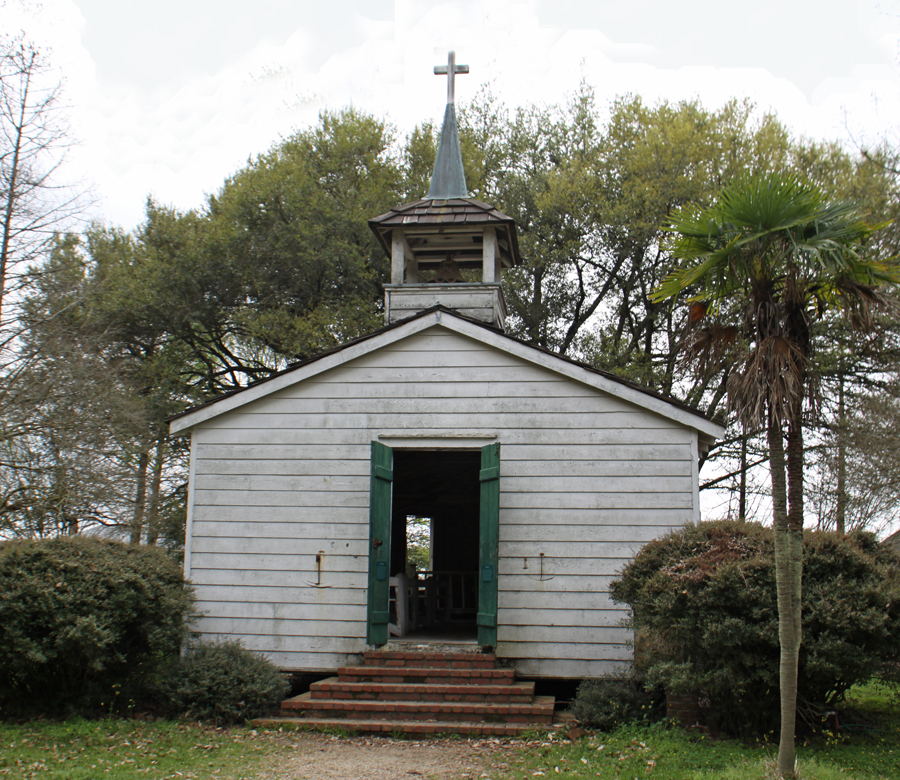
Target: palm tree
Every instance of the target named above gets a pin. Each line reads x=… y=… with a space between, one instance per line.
x=766 y=262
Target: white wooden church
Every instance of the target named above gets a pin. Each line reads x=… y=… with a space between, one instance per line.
x=539 y=477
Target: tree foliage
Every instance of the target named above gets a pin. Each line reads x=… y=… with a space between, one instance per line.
x=706 y=619
x=84 y=621
x=280 y=265
x=771 y=257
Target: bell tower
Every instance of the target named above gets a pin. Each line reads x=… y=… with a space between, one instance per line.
x=448 y=248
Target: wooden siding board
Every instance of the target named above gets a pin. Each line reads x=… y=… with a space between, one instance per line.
x=323 y=633
x=418 y=415
x=215 y=578
x=573 y=651
x=584 y=600
x=548 y=615
x=486 y=390
x=559 y=573
x=236 y=530
x=322 y=613
x=631 y=516
x=612 y=500
x=285 y=477
x=543 y=638
x=292 y=514
x=354 y=438
x=274 y=642
x=351 y=568
x=224 y=590
x=541 y=534
x=267 y=498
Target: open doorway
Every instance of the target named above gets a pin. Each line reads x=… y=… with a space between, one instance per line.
x=434 y=541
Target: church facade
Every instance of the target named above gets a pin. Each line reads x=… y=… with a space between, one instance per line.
x=538 y=477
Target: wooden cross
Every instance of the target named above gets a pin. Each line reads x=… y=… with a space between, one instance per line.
x=450 y=69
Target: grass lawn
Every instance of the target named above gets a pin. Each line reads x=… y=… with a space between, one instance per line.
x=87 y=750
x=868 y=749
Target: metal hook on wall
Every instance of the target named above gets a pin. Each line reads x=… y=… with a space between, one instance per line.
x=318 y=583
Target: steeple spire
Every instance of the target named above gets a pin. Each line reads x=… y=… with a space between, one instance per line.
x=449 y=178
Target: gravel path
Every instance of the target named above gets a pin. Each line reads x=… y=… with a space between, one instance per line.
x=308 y=756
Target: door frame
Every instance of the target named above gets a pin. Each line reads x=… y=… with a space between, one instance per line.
x=380 y=506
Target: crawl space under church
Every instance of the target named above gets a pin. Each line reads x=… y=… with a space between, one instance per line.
x=533 y=479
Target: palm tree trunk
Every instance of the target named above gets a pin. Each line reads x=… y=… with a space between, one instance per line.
x=785 y=590
x=742 y=499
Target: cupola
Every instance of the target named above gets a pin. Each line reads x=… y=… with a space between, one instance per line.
x=448 y=248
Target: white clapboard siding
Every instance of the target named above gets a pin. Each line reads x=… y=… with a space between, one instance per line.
x=287 y=595
x=225 y=584
x=290 y=465
x=262 y=610
x=325 y=628
x=553 y=470
x=261 y=528
x=277 y=546
x=542 y=612
x=543 y=634
x=573 y=651
x=335 y=391
x=298 y=565
x=266 y=498
x=294 y=514
x=633 y=516
x=531 y=421
x=591 y=592
x=638 y=452
x=586 y=479
x=574 y=568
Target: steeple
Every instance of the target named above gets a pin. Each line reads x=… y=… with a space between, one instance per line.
x=448 y=248
x=448 y=179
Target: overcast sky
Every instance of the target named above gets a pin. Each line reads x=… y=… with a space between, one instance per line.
x=170 y=97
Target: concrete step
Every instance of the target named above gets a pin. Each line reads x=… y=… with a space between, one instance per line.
x=336 y=688
x=539 y=710
x=397 y=726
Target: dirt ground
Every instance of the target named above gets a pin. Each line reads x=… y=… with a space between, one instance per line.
x=308 y=756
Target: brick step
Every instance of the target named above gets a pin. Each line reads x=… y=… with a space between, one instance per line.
x=540 y=710
x=368 y=726
x=435 y=660
x=336 y=688
x=424 y=675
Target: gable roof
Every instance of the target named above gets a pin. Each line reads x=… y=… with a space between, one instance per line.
x=479 y=331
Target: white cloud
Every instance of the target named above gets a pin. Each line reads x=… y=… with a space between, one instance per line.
x=173 y=97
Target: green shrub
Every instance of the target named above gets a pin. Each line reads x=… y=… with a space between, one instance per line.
x=706 y=622
x=223 y=683
x=613 y=702
x=85 y=621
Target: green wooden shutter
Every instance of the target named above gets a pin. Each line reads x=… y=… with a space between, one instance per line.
x=488 y=545
x=379 y=543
